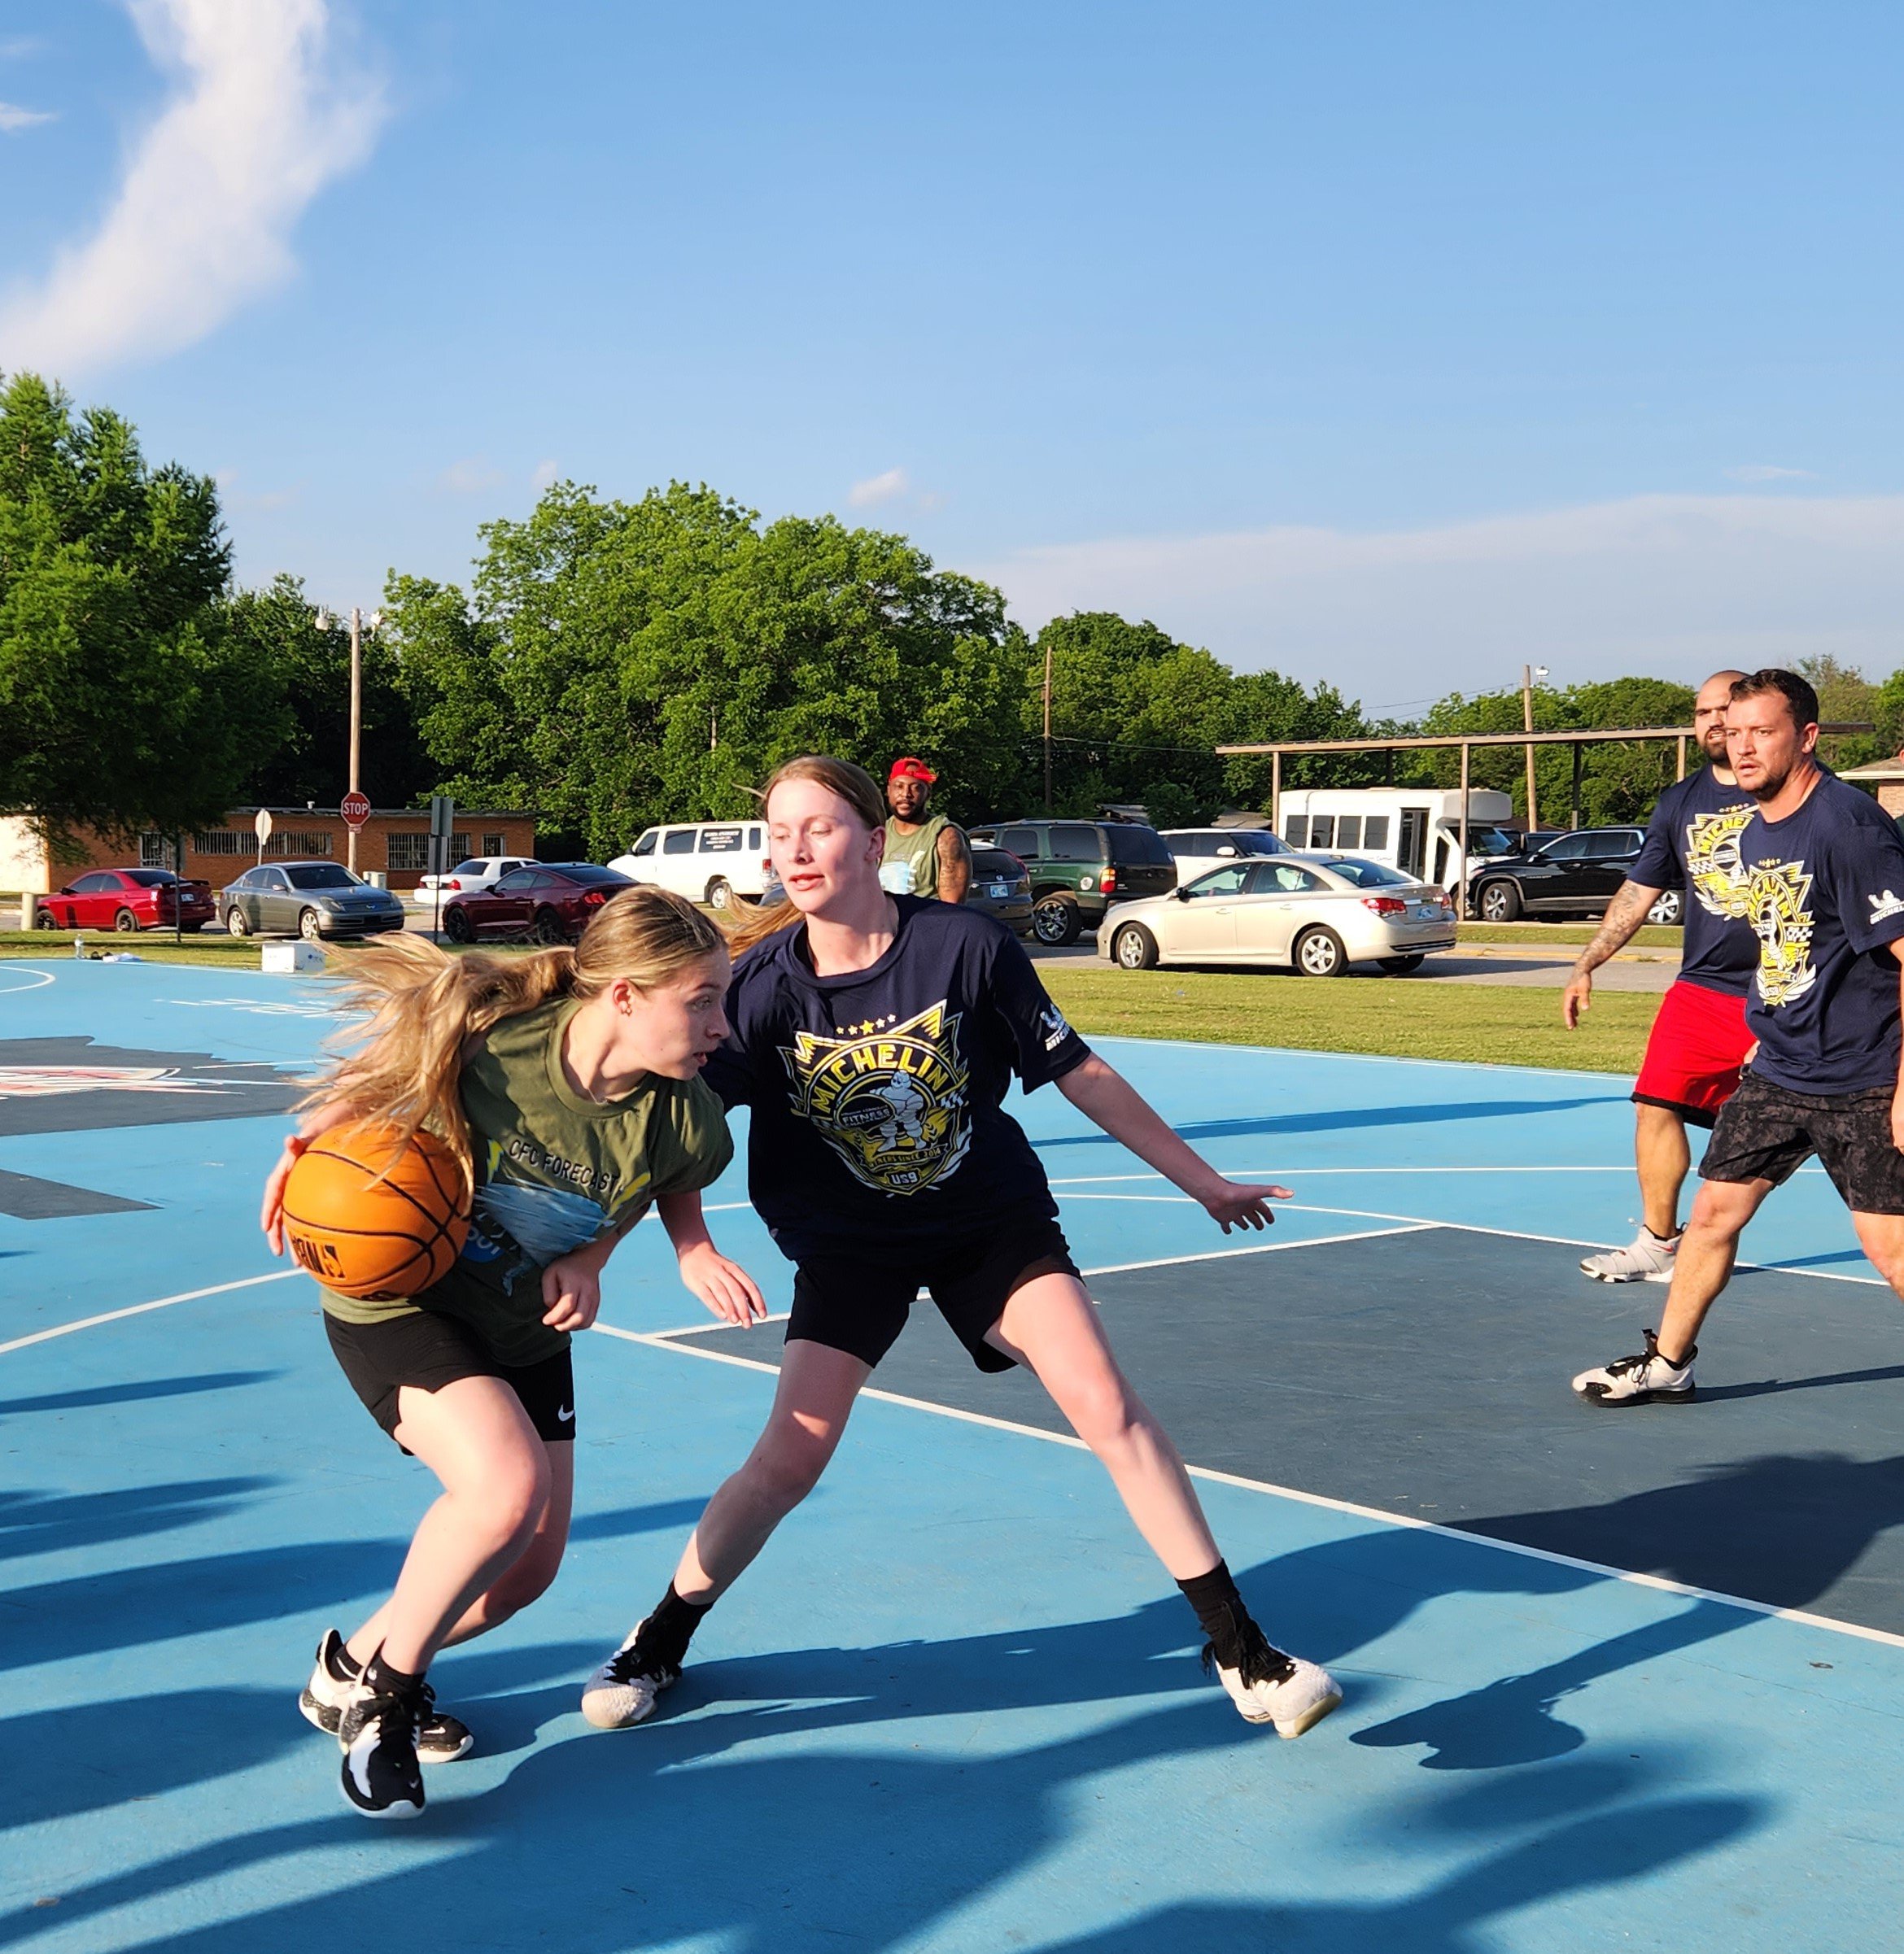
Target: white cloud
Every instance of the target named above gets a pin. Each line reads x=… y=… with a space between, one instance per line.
x=1669 y=585
x=263 y=117
x=1769 y=471
x=13 y=118
x=876 y=489
x=470 y=477
x=546 y=474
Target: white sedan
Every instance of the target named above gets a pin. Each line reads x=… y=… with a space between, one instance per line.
x=475 y=877
x=1318 y=914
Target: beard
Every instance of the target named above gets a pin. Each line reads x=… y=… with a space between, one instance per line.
x=1714 y=744
x=1772 y=786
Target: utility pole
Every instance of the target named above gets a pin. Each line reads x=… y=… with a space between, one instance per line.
x=1047 y=725
x=358 y=621
x=1527 y=672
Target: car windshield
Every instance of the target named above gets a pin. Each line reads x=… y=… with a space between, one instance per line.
x=1491 y=841
x=475 y=866
x=151 y=878
x=995 y=861
x=1131 y=844
x=1256 y=841
x=323 y=876
x=1369 y=874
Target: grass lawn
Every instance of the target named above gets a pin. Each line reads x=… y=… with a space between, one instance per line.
x=1478 y=1023
x=155 y=946
x=1558 y=935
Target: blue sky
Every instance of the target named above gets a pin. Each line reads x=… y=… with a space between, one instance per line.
x=1389 y=343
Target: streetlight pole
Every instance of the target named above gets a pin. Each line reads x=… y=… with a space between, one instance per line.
x=357 y=623
x=1047 y=725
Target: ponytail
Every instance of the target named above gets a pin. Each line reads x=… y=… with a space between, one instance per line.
x=427 y=1007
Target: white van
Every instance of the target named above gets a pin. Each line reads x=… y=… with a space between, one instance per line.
x=1417 y=830
x=710 y=861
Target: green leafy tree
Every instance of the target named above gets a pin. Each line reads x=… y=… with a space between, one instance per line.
x=125 y=701
x=1846 y=694
x=616 y=664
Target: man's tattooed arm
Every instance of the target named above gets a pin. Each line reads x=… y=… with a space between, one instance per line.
x=1620 y=926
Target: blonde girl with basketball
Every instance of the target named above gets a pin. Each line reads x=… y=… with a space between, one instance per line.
x=567 y=1085
x=874 y=1038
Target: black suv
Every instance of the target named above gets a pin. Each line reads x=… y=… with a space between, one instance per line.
x=1574 y=875
x=1079 y=868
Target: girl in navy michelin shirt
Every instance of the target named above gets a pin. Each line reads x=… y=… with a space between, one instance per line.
x=874 y=1037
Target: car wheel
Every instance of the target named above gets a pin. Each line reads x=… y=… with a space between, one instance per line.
x=1400 y=966
x=123 y=920
x=234 y=921
x=547 y=929
x=1670 y=909
x=308 y=927
x=1501 y=902
x=45 y=919
x=1133 y=948
x=1319 y=953
x=457 y=926
x=720 y=893
x=1055 y=922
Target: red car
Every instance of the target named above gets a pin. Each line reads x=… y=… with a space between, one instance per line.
x=127 y=898
x=546 y=901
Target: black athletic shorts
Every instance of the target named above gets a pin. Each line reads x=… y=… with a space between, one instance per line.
x=1766 y=1132
x=859 y=1303
x=428 y=1351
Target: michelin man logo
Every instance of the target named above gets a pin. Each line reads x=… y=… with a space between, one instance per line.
x=1713 y=867
x=1886 y=905
x=1775 y=897
x=892 y=1102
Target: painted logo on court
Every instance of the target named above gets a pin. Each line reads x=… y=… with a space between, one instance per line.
x=892 y=1103
x=1713 y=867
x=1775 y=899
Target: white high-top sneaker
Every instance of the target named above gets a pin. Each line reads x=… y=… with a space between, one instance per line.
x=1645 y=1258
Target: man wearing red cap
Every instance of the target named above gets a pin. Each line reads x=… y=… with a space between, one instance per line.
x=926 y=855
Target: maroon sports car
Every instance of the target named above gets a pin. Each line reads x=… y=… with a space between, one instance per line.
x=546 y=901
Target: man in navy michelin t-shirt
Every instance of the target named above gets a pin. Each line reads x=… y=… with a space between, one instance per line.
x=1700 y=1037
x=1822 y=867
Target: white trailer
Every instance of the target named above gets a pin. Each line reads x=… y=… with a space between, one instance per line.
x=1417 y=830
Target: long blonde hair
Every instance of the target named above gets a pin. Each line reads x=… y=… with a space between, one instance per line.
x=425 y=1005
x=854 y=786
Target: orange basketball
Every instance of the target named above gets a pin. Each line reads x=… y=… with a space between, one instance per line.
x=371 y=1219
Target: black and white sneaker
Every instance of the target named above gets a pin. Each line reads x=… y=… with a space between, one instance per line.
x=441 y=1738
x=623 y=1691
x=1268 y=1685
x=381 y=1775
x=1644 y=1379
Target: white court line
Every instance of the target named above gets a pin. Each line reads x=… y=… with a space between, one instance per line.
x=41 y=979
x=1659 y=1582
x=139 y=1309
x=707 y=1330
x=1264 y=1248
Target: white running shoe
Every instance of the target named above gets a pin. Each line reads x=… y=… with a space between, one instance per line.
x=623 y=1691
x=441 y=1738
x=1268 y=1686
x=1645 y=1258
x=1646 y=1379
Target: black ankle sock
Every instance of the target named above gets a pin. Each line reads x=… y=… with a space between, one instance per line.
x=1219 y=1605
x=668 y=1630
x=384 y=1679
x=341 y=1665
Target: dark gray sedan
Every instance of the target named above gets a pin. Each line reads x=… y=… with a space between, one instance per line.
x=308 y=899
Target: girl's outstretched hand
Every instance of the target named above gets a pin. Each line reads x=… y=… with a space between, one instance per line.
x=271 y=1217
x=571 y=1292
x=1232 y=1205
x=724 y=1286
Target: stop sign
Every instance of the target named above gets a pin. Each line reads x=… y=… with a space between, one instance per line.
x=355 y=807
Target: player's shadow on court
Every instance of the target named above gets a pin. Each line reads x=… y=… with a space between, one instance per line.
x=1442 y=1918
x=1328 y=1119
x=1788 y=1528
x=46 y=1523
x=674 y=1834
x=134 y=1391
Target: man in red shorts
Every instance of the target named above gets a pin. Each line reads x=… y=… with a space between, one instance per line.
x=1699 y=1038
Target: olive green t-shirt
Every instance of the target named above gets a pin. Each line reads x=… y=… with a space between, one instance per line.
x=911 y=863
x=554 y=1171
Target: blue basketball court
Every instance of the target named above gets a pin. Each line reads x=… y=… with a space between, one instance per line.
x=1613 y=1680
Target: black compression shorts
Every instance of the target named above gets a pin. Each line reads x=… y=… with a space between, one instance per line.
x=859 y=1303
x=427 y=1350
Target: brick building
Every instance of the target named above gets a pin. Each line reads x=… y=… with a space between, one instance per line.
x=394 y=844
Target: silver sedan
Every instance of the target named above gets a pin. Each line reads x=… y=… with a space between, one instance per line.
x=1318 y=913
